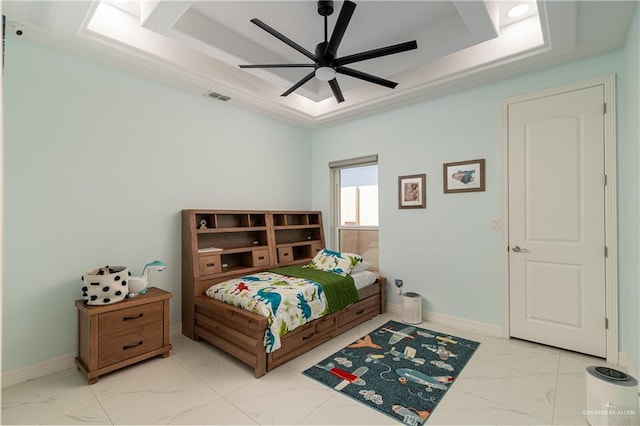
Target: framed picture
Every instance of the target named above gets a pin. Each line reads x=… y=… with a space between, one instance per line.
x=463 y=176
x=412 y=192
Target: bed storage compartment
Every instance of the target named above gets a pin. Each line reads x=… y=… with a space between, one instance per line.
x=358 y=313
x=285 y=254
x=261 y=258
x=303 y=339
x=241 y=333
x=210 y=264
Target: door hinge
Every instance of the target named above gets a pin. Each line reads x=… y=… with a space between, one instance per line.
x=606 y=323
x=606 y=180
x=604 y=108
x=606 y=251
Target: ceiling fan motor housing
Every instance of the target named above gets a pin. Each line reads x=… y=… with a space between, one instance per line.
x=325 y=58
x=325 y=8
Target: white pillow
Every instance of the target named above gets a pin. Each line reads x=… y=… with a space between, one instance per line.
x=361 y=266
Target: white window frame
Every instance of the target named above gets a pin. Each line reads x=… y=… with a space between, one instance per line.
x=335 y=167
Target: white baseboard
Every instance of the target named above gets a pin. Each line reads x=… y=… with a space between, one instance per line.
x=462 y=323
x=30 y=372
x=61 y=363
x=14 y=377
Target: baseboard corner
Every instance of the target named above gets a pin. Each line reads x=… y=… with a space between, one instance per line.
x=175 y=330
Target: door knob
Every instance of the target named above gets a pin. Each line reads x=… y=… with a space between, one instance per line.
x=517 y=249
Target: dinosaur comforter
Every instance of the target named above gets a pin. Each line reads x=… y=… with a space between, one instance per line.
x=289 y=297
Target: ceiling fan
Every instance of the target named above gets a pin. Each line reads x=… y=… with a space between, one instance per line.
x=326 y=64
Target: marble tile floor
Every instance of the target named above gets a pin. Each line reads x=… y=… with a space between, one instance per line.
x=507 y=382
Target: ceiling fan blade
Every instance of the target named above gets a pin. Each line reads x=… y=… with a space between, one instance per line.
x=335 y=88
x=278 y=66
x=341 y=26
x=376 y=53
x=366 y=77
x=284 y=39
x=300 y=83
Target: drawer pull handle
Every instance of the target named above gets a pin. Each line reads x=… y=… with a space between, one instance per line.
x=125 y=347
x=286 y=254
x=210 y=265
x=359 y=312
x=260 y=257
x=308 y=337
x=140 y=315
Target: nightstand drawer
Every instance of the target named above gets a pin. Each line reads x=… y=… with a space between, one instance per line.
x=128 y=318
x=210 y=264
x=129 y=343
x=261 y=258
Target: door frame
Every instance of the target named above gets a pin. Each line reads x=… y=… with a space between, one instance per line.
x=611 y=275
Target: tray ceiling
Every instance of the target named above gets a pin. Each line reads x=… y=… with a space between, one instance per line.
x=198 y=45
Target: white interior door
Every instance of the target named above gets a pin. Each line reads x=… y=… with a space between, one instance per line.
x=556 y=193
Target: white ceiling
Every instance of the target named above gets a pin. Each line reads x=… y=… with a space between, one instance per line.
x=198 y=45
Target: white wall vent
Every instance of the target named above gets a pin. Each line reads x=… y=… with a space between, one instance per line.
x=217 y=96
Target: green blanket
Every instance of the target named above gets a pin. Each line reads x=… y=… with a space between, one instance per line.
x=340 y=291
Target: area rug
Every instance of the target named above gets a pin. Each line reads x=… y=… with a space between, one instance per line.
x=400 y=370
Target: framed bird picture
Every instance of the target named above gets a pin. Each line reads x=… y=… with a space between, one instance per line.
x=463 y=176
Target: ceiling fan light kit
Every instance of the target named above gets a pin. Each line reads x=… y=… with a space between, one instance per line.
x=325 y=73
x=326 y=62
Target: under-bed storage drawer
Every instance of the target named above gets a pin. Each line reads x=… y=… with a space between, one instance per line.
x=359 y=312
x=305 y=337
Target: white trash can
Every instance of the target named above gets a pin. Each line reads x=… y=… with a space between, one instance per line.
x=412 y=308
x=612 y=397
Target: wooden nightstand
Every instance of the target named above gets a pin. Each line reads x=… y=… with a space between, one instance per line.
x=117 y=335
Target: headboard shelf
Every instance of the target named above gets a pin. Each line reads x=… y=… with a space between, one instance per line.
x=221 y=244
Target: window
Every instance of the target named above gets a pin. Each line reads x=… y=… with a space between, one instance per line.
x=355 y=210
x=359 y=196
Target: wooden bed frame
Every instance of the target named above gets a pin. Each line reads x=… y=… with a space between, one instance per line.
x=236 y=331
x=241 y=333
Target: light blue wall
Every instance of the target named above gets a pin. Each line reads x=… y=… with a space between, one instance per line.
x=447 y=251
x=98 y=164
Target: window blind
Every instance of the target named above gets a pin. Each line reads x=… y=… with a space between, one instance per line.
x=353 y=162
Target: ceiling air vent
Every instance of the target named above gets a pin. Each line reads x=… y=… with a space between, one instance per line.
x=217 y=96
